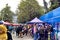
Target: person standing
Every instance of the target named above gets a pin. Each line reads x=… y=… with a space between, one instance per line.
x=3 y=32
x=9 y=36
x=25 y=30
x=20 y=28
x=35 y=32
x=46 y=33
x=17 y=31
x=41 y=32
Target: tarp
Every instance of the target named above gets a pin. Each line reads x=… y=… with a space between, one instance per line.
x=56 y=15
x=52 y=16
x=46 y=16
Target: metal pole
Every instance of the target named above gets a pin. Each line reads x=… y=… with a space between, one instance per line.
x=57 y=30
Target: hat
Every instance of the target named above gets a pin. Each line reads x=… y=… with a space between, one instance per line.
x=1 y=22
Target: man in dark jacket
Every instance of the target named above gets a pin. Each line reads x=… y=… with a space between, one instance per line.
x=46 y=34
x=19 y=30
x=9 y=36
x=8 y=33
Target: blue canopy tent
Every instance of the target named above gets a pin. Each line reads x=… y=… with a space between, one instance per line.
x=55 y=14
x=55 y=18
x=46 y=16
x=56 y=23
x=50 y=15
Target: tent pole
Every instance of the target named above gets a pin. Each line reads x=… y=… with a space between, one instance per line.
x=57 y=32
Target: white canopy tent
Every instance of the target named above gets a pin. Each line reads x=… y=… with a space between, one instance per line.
x=36 y=20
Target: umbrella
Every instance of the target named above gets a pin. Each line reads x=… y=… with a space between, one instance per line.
x=15 y=24
x=6 y=23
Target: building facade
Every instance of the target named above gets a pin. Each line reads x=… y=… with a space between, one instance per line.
x=14 y=18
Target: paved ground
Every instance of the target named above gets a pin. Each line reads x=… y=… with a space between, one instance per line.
x=24 y=38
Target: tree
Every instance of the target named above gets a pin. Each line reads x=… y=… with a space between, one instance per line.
x=6 y=13
x=45 y=6
x=54 y=4
x=0 y=17
x=29 y=9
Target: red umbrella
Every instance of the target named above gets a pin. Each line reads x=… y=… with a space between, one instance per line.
x=6 y=23
x=15 y=24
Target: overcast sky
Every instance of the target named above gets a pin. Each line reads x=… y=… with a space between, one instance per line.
x=14 y=3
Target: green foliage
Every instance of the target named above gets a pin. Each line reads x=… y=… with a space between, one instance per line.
x=53 y=5
x=29 y=9
x=6 y=13
x=0 y=18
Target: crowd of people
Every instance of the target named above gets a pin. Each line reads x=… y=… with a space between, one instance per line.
x=42 y=32
x=4 y=32
x=38 y=32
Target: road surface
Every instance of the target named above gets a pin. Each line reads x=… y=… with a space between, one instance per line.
x=24 y=38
